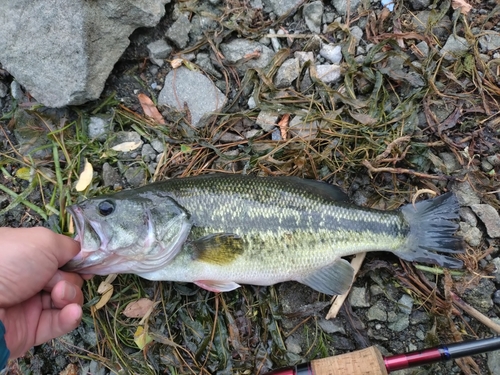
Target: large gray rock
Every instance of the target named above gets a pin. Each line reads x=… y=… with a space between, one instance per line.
x=194 y=89
x=62 y=51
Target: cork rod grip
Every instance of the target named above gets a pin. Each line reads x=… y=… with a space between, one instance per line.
x=368 y=361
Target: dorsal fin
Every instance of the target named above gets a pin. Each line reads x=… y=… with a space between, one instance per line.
x=321 y=188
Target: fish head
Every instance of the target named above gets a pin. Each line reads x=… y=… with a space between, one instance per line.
x=123 y=233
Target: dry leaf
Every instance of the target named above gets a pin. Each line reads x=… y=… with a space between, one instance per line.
x=141 y=337
x=71 y=369
x=464 y=5
x=104 y=299
x=283 y=125
x=127 y=146
x=150 y=109
x=85 y=177
x=138 y=309
x=175 y=63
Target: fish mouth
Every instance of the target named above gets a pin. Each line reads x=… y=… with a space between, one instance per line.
x=83 y=260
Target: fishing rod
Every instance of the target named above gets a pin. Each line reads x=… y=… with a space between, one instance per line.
x=370 y=361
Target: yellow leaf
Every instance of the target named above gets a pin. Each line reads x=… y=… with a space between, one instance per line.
x=127 y=146
x=138 y=309
x=105 y=285
x=104 y=299
x=85 y=177
x=141 y=337
x=24 y=173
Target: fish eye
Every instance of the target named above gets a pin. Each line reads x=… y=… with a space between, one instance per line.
x=106 y=208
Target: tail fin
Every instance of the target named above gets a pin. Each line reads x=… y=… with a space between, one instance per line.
x=432 y=230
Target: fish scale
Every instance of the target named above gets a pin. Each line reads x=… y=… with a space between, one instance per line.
x=253 y=230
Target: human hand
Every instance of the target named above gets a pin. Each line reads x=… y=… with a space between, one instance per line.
x=38 y=302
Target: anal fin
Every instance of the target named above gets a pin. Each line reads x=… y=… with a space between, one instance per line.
x=334 y=279
x=217 y=286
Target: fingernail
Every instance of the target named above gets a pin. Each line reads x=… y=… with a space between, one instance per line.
x=69 y=292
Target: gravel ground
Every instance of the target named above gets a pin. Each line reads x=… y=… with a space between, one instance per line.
x=270 y=58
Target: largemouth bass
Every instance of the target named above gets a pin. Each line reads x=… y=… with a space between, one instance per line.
x=220 y=231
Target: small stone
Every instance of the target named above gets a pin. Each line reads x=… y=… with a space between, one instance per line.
x=358 y=298
x=148 y=153
x=329 y=326
x=239 y=49
x=274 y=41
x=450 y=162
x=110 y=175
x=313 y=13
x=455 y=47
x=424 y=48
x=341 y=6
x=357 y=33
x=400 y=324
x=253 y=133
x=276 y=135
x=490 y=40
x=331 y=53
x=287 y=73
x=251 y=103
x=494 y=160
x=98 y=128
x=486 y=165
x=197 y=91
x=304 y=57
x=124 y=136
x=267 y=120
x=468 y=216
x=376 y=313
x=292 y=345
x=480 y=296
x=228 y=137
x=158 y=145
x=282 y=7
x=328 y=73
x=178 y=33
x=204 y=62
x=158 y=51
x=135 y=176
x=471 y=235
x=16 y=90
x=4 y=90
x=304 y=130
x=465 y=194
x=420 y=4
x=405 y=304
x=494 y=362
x=496 y=295
x=490 y=218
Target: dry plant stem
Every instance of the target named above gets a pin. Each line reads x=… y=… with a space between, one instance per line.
x=338 y=301
x=475 y=314
x=372 y=169
x=391 y=146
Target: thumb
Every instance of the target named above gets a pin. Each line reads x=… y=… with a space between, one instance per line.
x=54 y=323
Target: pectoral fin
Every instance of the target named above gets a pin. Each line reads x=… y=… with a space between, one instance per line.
x=220 y=248
x=333 y=279
x=217 y=286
